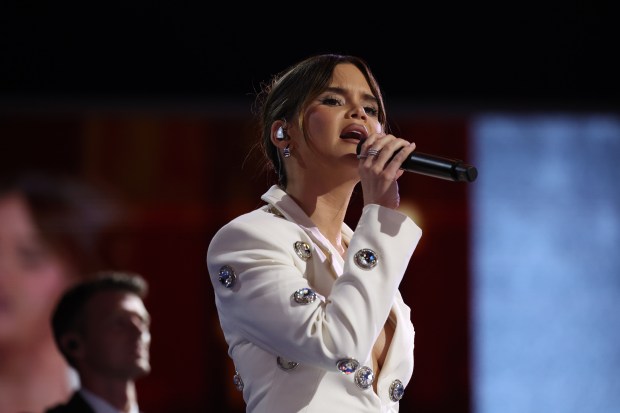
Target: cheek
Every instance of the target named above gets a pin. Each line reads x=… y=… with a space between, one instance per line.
x=319 y=123
x=46 y=285
x=102 y=338
x=101 y=348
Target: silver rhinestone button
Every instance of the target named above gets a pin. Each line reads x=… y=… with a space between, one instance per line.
x=397 y=390
x=364 y=377
x=237 y=381
x=304 y=296
x=347 y=366
x=227 y=276
x=303 y=250
x=366 y=258
x=286 y=365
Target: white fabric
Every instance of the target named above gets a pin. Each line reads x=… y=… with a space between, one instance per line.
x=261 y=321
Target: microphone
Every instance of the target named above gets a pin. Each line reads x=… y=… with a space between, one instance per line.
x=435 y=166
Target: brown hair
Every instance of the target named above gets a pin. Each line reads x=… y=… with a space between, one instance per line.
x=71 y=216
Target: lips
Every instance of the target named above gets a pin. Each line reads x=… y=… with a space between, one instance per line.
x=354 y=131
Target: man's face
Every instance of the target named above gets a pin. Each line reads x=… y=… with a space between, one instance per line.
x=116 y=337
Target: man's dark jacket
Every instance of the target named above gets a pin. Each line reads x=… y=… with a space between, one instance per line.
x=76 y=404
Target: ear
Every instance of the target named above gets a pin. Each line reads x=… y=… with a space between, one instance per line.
x=71 y=343
x=280 y=143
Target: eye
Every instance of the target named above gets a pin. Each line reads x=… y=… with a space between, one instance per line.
x=331 y=101
x=32 y=257
x=371 y=110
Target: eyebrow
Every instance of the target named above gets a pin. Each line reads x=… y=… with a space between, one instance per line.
x=342 y=91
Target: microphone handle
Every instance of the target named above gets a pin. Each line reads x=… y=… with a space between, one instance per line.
x=440 y=167
x=435 y=166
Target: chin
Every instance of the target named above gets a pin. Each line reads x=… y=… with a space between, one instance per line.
x=142 y=369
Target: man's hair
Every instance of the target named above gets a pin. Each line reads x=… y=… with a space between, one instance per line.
x=68 y=313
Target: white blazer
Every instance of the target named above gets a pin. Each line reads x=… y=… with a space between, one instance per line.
x=300 y=322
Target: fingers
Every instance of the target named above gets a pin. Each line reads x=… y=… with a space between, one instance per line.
x=383 y=151
x=373 y=152
x=381 y=157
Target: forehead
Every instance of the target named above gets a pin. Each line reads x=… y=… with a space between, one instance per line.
x=348 y=76
x=17 y=226
x=105 y=303
x=15 y=214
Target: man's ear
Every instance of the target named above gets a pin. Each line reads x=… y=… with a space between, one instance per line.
x=71 y=343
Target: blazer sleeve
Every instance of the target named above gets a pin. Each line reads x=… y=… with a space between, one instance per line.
x=260 y=306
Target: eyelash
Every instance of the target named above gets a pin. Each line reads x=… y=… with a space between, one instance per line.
x=331 y=101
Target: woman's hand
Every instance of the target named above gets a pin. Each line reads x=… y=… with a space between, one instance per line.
x=381 y=156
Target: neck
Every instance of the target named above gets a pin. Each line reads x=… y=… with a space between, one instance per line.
x=33 y=379
x=326 y=207
x=119 y=393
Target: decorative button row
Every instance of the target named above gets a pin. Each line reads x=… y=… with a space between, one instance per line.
x=364 y=258
x=364 y=376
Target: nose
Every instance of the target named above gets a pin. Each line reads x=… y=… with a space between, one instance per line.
x=138 y=326
x=358 y=112
x=140 y=333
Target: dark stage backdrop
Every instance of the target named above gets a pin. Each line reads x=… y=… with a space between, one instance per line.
x=185 y=171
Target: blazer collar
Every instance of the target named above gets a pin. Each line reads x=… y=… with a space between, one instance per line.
x=288 y=208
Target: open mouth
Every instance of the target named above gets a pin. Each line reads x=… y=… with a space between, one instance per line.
x=354 y=131
x=357 y=135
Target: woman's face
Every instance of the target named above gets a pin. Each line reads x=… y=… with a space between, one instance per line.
x=32 y=277
x=337 y=119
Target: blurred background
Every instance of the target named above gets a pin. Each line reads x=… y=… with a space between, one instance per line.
x=515 y=286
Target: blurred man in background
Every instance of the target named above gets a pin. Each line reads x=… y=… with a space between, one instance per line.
x=102 y=328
